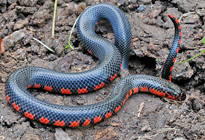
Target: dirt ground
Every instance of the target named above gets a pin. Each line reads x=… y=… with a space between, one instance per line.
x=144 y=116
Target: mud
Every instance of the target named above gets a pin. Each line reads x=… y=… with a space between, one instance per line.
x=144 y=116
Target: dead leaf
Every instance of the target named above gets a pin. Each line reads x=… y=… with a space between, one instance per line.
x=1 y=46
x=140 y=109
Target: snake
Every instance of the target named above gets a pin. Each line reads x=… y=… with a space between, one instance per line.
x=112 y=57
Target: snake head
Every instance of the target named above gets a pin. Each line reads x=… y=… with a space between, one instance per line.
x=175 y=91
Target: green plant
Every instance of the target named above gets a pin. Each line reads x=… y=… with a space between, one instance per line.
x=193 y=56
x=43 y=45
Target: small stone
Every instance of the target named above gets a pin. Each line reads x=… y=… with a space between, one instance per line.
x=124 y=73
x=146 y=1
x=133 y=6
x=10 y=40
x=59 y=49
x=12 y=6
x=146 y=128
x=185 y=5
x=196 y=105
x=35 y=49
x=121 y=2
x=172 y=11
x=191 y=19
x=80 y=8
x=20 y=24
x=28 y=2
x=41 y=1
x=52 y=57
x=159 y=21
x=138 y=52
x=11 y=16
x=31 y=137
x=133 y=1
x=114 y=124
x=21 y=54
x=12 y=1
x=3 y=78
x=3 y=8
x=70 y=7
x=141 y=8
x=2 y=137
x=110 y=36
x=65 y=63
x=154 y=13
x=26 y=10
x=61 y=135
x=3 y=5
x=107 y=133
x=27 y=38
x=201 y=12
x=40 y=17
x=180 y=138
x=80 y=101
x=3 y=1
x=201 y=5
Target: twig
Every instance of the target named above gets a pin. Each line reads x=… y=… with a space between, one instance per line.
x=2 y=121
x=185 y=15
x=54 y=18
x=140 y=109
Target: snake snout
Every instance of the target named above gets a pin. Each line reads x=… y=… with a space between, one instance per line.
x=183 y=96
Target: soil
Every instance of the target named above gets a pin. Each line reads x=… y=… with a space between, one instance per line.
x=144 y=116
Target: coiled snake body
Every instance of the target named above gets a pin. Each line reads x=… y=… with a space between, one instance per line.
x=111 y=58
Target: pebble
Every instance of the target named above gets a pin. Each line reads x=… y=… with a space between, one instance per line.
x=141 y=8
x=27 y=38
x=121 y=2
x=191 y=19
x=31 y=137
x=172 y=11
x=35 y=49
x=201 y=5
x=12 y=1
x=28 y=2
x=52 y=57
x=3 y=78
x=138 y=52
x=26 y=10
x=40 y=17
x=11 y=16
x=196 y=105
x=154 y=13
x=80 y=8
x=180 y=138
x=3 y=5
x=12 y=39
x=133 y=1
x=185 y=5
x=146 y=128
x=20 y=24
x=146 y=1
x=107 y=133
x=3 y=1
x=201 y=12
x=2 y=137
x=61 y=135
